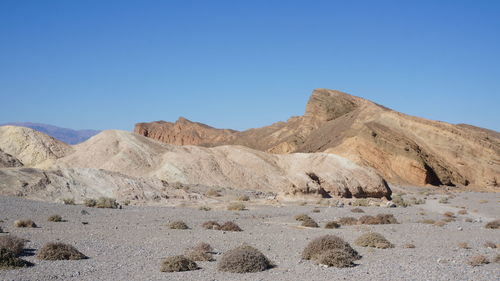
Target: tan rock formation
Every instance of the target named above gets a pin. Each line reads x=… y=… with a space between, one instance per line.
x=404 y=149
x=7 y=160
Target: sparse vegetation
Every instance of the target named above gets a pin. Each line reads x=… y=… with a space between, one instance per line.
x=126 y=202
x=357 y=210
x=316 y=210
x=373 y=239
x=243 y=198
x=13 y=244
x=230 y=226
x=427 y=221
x=302 y=217
x=464 y=245
x=325 y=243
x=55 y=218
x=378 y=219
x=409 y=246
x=361 y=203
x=213 y=193
x=204 y=208
x=200 y=252
x=489 y=244
x=9 y=260
x=178 y=225
x=347 y=221
x=177 y=264
x=243 y=259
x=236 y=206
x=68 y=201
x=332 y=224
x=24 y=223
x=106 y=202
x=478 y=260
x=336 y=258
x=462 y=212
x=444 y=200
x=309 y=223
x=493 y=224
x=89 y=202
x=59 y=251
x=211 y=225
x=449 y=214
x=440 y=223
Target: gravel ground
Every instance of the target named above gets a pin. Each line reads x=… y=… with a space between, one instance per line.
x=129 y=244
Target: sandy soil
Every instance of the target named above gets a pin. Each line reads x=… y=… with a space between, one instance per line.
x=129 y=244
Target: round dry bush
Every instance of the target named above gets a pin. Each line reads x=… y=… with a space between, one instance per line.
x=316 y=210
x=449 y=214
x=55 y=218
x=332 y=224
x=497 y=258
x=243 y=198
x=90 y=202
x=205 y=247
x=489 y=244
x=230 y=226
x=9 y=260
x=335 y=257
x=409 y=246
x=200 y=252
x=357 y=210
x=236 y=206
x=373 y=239
x=478 y=260
x=462 y=212
x=177 y=264
x=427 y=221
x=309 y=223
x=493 y=224
x=13 y=244
x=213 y=193
x=464 y=245
x=243 y=259
x=348 y=221
x=106 y=202
x=24 y=223
x=178 y=225
x=59 y=251
x=325 y=243
x=440 y=223
x=302 y=217
x=211 y=225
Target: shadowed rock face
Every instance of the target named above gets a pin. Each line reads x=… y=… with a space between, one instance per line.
x=404 y=149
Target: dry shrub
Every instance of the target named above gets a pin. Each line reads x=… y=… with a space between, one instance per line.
x=409 y=246
x=373 y=239
x=243 y=198
x=325 y=243
x=200 y=252
x=309 y=223
x=332 y=224
x=357 y=210
x=13 y=244
x=24 y=223
x=348 y=221
x=55 y=218
x=464 y=245
x=59 y=251
x=449 y=214
x=106 y=202
x=447 y=219
x=462 y=212
x=243 y=259
x=236 y=206
x=483 y=201
x=316 y=210
x=478 y=260
x=211 y=225
x=9 y=260
x=178 y=225
x=177 y=264
x=427 y=221
x=230 y=226
x=335 y=257
x=493 y=224
x=68 y=201
x=497 y=258
x=378 y=219
x=204 y=208
x=489 y=244
x=302 y=217
x=469 y=220
x=440 y=223
x=444 y=200
x=213 y=193
x=90 y=202
x=361 y=202
x=1 y=230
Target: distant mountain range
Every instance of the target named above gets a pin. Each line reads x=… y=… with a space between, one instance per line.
x=66 y=135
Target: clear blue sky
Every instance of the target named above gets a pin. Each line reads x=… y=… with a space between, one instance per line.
x=240 y=64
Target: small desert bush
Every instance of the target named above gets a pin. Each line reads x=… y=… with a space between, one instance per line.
x=330 y=250
x=440 y=223
x=427 y=221
x=200 y=252
x=309 y=223
x=302 y=217
x=444 y=200
x=462 y=212
x=347 y=221
x=361 y=203
x=236 y=206
x=469 y=220
x=89 y=202
x=177 y=264
x=373 y=239
x=68 y=201
x=59 y=251
x=489 y=244
x=243 y=198
x=178 y=225
x=9 y=260
x=211 y=225
x=483 y=201
x=204 y=208
x=493 y=224
x=478 y=260
x=13 y=244
x=106 y=202
x=399 y=201
x=316 y=210
x=243 y=259
x=24 y=223
x=126 y=202
x=230 y=226
x=497 y=258
x=55 y=218
x=357 y=210
x=409 y=246
x=449 y=214
x=212 y=193
x=415 y=201
x=378 y=219
x=464 y=245
x=332 y=224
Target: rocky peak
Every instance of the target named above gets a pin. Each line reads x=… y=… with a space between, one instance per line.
x=327 y=104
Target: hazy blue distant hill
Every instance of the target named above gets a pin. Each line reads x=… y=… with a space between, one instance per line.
x=66 y=135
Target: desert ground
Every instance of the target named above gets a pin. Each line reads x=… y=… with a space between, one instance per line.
x=130 y=243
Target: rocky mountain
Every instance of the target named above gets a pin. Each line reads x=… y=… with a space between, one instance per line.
x=129 y=166
x=402 y=148
x=66 y=135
